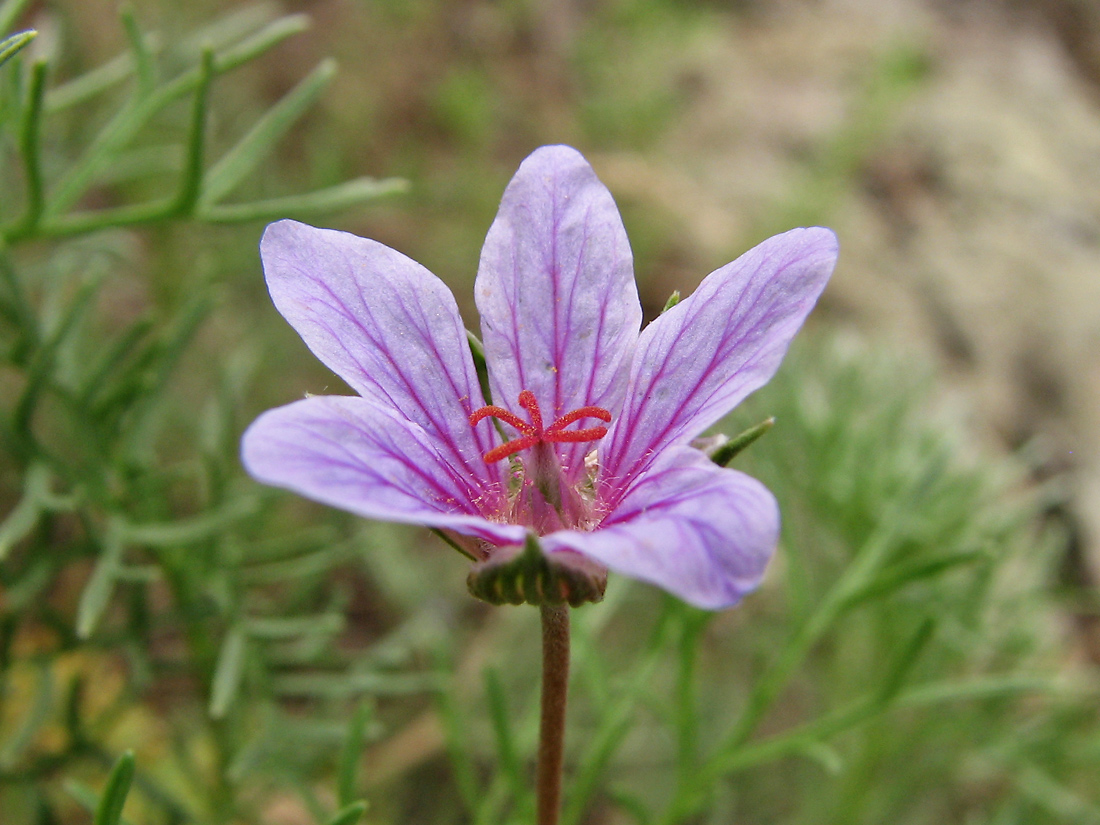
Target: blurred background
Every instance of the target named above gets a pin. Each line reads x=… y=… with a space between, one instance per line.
x=937 y=448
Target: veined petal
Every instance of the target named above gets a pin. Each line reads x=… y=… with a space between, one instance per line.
x=559 y=308
x=356 y=455
x=697 y=361
x=701 y=532
x=385 y=325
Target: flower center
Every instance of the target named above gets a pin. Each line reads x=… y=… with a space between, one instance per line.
x=533 y=433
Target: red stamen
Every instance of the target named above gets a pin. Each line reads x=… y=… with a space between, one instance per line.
x=502 y=414
x=528 y=401
x=577 y=415
x=591 y=434
x=533 y=433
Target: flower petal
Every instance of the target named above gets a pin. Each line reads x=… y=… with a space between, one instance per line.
x=356 y=455
x=385 y=325
x=697 y=361
x=559 y=307
x=701 y=532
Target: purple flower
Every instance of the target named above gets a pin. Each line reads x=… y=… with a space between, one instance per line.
x=597 y=415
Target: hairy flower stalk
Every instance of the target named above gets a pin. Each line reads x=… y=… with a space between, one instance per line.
x=613 y=482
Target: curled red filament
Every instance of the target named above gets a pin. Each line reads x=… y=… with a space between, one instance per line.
x=533 y=433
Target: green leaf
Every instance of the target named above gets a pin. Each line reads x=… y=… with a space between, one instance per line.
x=239 y=161
x=97 y=593
x=903 y=665
x=267 y=38
x=349 y=814
x=109 y=810
x=191 y=179
x=190 y=530
x=24 y=516
x=33 y=718
x=29 y=140
x=507 y=757
x=137 y=112
x=228 y=671
x=290 y=627
x=139 y=49
x=348 y=767
x=9 y=46
x=330 y=199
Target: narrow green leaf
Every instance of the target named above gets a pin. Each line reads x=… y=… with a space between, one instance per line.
x=100 y=371
x=897 y=576
x=290 y=627
x=41 y=369
x=33 y=718
x=139 y=48
x=190 y=530
x=454 y=732
x=9 y=46
x=97 y=80
x=232 y=27
x=137 y=112
x=29 y=141
x=349 y=814
x=228 y=671
x=267 y=38
x=24 y=516
x=342 y=685
x=239 y=161
x=81 y=223
x=348 y=766
x=97 y=593
x=602 y=745
x=330 y=199
x=903 y=665
x=191 y=180
x=672 y=301
x=109 y=810
x=507 y=757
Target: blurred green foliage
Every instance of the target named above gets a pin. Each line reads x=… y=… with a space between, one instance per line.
x=268 y=660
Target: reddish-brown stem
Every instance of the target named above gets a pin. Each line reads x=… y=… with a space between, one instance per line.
x=555 y=679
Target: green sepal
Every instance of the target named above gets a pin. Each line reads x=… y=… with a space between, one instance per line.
x=477 y=352
x=520 y=575
x=724 y=454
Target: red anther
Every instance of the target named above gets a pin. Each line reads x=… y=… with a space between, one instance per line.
x=533 y=433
